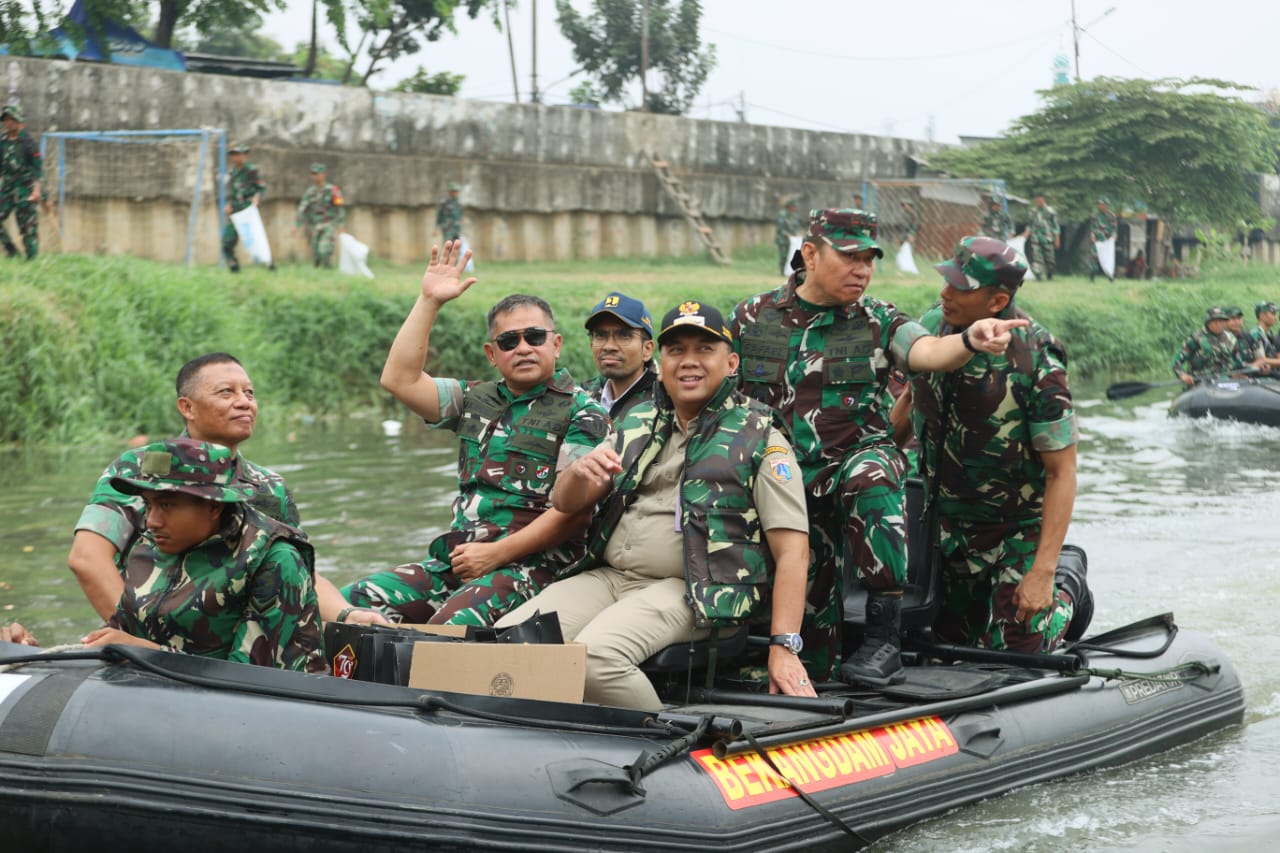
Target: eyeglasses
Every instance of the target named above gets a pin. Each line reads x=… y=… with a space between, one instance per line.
x=534 y=336
x=622 y=336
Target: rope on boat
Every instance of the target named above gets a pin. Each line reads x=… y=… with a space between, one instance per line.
x=36 y=656
x=831 y=817
x=1183 y=673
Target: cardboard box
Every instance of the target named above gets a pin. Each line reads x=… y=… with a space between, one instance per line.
x=556 y=673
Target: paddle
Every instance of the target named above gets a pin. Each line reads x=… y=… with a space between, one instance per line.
x=1125 y=390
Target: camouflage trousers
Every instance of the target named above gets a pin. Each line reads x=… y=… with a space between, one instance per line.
x=430 y=592
x=323 y=239
x=1042 y=257
x=230 y=239
x=982 y=565
x=857 y=536
x=27 y=215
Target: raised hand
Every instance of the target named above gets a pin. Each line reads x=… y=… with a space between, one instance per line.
x=443 y=280
x=991 y=335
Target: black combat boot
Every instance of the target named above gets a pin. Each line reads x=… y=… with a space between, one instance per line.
x=232 y=263
x=878 y=661
x=1071 y=577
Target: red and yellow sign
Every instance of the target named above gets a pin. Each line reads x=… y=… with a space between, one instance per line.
x=816 y=765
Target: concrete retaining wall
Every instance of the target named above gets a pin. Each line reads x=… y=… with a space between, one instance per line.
x=538 y=182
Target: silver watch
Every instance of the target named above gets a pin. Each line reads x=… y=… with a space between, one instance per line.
x=792 y=642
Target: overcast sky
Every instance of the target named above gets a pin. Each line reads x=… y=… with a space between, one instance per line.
x=921 y=69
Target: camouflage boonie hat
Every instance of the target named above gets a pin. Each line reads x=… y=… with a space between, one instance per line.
x=1234 y=311
x=694 y=314
x=13 y=111
x=238 y=148
x=318 y=168
x=1262 y=307
x=1217 y=312
x=203 y=470
x=983 y=262
x=845 y=230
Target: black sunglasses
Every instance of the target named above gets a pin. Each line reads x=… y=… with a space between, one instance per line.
x=535 y=336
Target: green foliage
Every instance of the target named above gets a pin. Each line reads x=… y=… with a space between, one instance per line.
x=1187 y=149
x=440 y=83
x=248 y=42
x=390 y=29
x=607 y=44
x=328 y=66
x=206 y=17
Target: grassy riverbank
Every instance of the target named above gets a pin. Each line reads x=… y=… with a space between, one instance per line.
x=89 y=346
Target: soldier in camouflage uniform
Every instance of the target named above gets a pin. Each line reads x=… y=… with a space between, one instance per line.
x=244 y=189
x=820 y=352
x=1210 y=352
x=996 y=222
x=505 y=541
x=20 y=176
x=788 y=224
x=1247 y=352
x=1044 y=239
x=621 y=333
x=449 y=215
x=212 y=576
x=1260 y=341
x=1101 y=227
x=217 y=403
x=322 y=213
x=738 y=548
x=999 y=457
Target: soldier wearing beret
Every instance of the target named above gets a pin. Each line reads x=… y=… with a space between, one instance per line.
x=820 y=351
x=505 y=542
x=245 y=188
x=998 y=448
x=212 y=576
x=322 y=213
x=20 y=175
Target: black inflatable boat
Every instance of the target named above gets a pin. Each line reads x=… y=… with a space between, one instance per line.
x=1250 y=401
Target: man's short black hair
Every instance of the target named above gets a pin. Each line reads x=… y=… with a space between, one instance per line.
x=519 y=300
x=187 y=374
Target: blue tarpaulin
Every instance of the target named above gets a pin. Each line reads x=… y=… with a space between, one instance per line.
x=119 y=44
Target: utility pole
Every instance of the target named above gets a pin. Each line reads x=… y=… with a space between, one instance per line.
x=1075 y=38
x=534 y=96
x=511 y=50
x=644 y=56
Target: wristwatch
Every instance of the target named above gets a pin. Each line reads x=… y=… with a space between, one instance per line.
x=792 y=642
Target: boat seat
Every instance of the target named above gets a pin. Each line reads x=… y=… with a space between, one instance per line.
x=680 y=657
x=920 y=593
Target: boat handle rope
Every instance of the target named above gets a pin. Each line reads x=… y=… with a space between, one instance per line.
x=1183 y=673
x=647 y=761
x=818 y=807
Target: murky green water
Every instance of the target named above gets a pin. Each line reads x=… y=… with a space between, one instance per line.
x=1175 y=515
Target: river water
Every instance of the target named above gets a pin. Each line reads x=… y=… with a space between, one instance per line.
x=1173 y=514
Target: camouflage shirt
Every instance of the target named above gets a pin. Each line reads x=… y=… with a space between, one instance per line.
x=246 y=594
x=120 y=518
x=996 y=223
x=449 y=218
x=20 y=165
x=1259 y=344
x=510 y=450
x=1044 y=224
x=787 y=224
x=825 y=370
x=998 y=414
x=321 y=205
x=1204 y=354
x=245 y=183
x=1102 y=226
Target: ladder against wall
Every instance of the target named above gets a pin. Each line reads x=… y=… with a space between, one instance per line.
x=687 y=206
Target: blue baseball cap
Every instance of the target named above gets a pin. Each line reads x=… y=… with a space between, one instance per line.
x=622 y=307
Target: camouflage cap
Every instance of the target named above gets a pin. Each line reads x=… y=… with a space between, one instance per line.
x=1102 y=199
x=318 y=168
x=454 y=187
x=203 y=470
x=622 y=307
x=983 y=262
x=846 y=230
x=1234 y=311
x=238 y=148
x=12 y=111
x=694 y=314
x=1216 y=312
x=1262 y=307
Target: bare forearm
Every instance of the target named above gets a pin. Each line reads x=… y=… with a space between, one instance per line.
x=403 y=374
x=934 y=355
x=790 y=549
x=1059 y=500
x=548 y=530
x=92 y=561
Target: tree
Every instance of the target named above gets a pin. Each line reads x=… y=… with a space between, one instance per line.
x=608 y=46
x=1188 y=149
x=207 y=17
x=440 y=83
x=390 y=29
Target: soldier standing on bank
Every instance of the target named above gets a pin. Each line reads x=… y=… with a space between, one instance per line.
x=1045 y=239
x=20 y=176
x=1101 y=227
x=322 y=213
x=787 y=225
x=449 y=216
x=244 y=189
x=995 y=222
